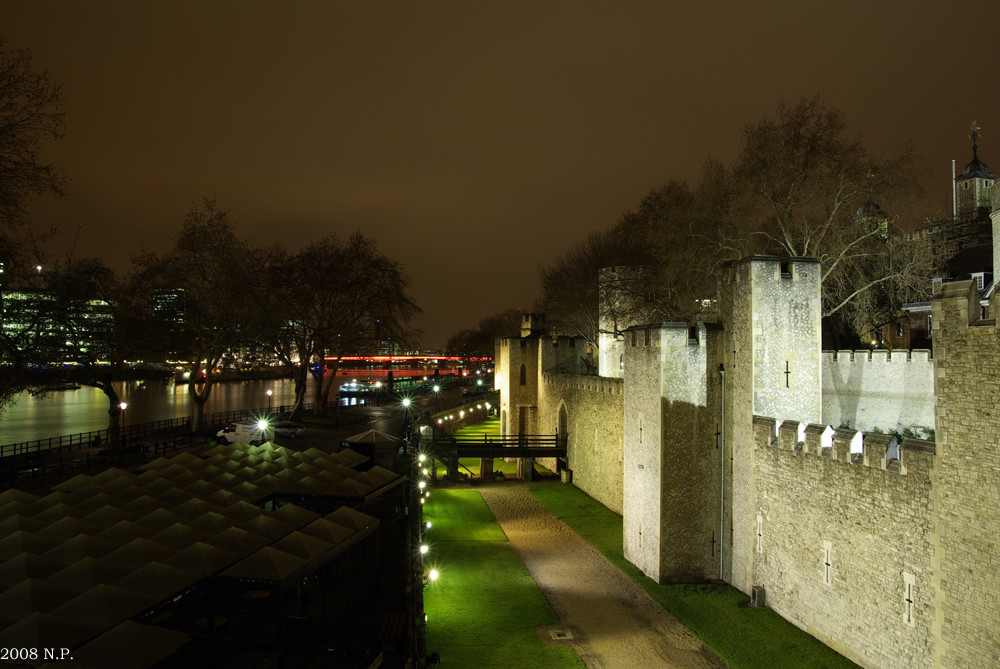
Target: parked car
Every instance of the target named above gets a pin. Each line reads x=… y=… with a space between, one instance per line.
x=247 y=431
x=288 y=429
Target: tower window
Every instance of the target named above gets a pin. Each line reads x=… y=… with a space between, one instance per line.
x=524 y=375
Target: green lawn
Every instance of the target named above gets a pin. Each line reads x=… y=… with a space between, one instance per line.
x=742 y=637
x=484 y=608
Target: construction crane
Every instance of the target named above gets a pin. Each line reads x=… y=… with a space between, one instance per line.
x=34 y=245
x=72 y=249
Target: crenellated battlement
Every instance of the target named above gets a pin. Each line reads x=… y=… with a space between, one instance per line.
x=599 y=384
x=875 y=450
x=878 y=357
x=888 y=390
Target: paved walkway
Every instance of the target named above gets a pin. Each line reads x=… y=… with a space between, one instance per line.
x=613 y=623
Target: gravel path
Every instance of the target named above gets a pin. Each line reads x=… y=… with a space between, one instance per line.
x=612 y=622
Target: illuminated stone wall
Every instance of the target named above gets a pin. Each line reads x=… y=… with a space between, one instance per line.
x=589 y=408
x=672 y=461
x=884 y=551
x=966 y=480
x=842 y=543
x=772 y=357
x=888 y=391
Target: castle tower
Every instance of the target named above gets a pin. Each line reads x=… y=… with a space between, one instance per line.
x=517 y=374
x=672 y=468
x=965 y=480
x=972 y=186
x=772 y=362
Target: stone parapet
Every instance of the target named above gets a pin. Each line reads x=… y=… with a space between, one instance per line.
x=597 y=384
x=874 y=450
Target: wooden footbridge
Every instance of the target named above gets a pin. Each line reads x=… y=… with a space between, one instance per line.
x=525 y=447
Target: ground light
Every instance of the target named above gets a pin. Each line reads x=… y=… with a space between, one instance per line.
x=423 y=549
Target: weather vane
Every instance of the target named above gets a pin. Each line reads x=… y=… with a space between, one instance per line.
x=974 y=130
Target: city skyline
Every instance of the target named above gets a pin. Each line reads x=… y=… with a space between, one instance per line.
x=474 y=143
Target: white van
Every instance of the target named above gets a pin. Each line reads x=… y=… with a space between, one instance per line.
x=246 y=431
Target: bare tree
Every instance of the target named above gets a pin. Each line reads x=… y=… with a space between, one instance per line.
x=333 y=299
x=571 y=285
x=481 y=340
x=801 y=186
x=98 y=321
x=213 y=277
x=30 y=115
x=668 y=280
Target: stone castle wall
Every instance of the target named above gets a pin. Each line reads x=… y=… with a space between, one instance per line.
x=772 y=357
x=642 y=467
x=842 y=540
x=692 y=464
x=966 y=480
x=590 y=407
x=867 y=390
x=884 y=551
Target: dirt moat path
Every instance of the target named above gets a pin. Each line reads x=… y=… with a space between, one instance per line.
x=605 y=617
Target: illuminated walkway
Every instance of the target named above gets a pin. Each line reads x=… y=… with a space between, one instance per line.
x=612 y=622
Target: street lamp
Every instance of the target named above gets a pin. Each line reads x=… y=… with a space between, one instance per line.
x=122 y=407
x=269 y=392
x=437 y=393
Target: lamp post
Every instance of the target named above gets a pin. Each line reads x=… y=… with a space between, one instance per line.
x=122 y=407
x=121 y=441
x=269 y=392
x=437 y=393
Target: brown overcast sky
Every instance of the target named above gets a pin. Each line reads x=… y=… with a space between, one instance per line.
x=476 y=141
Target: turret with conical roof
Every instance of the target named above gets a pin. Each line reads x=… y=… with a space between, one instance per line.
x=972 y=186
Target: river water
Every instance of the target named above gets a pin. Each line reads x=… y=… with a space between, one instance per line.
x=85 y=409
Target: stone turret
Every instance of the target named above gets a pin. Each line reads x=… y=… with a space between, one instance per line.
x=772 y=357
x=972 y=186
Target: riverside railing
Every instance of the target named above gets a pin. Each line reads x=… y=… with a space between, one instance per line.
x=137 y=431
x=133 y=432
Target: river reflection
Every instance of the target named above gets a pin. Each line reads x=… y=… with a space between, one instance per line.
x=85 y=409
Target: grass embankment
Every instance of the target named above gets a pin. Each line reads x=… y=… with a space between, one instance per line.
x=742 y=637
x=484 y=608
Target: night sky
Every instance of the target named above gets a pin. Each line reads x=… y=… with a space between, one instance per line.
x=475 y=141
